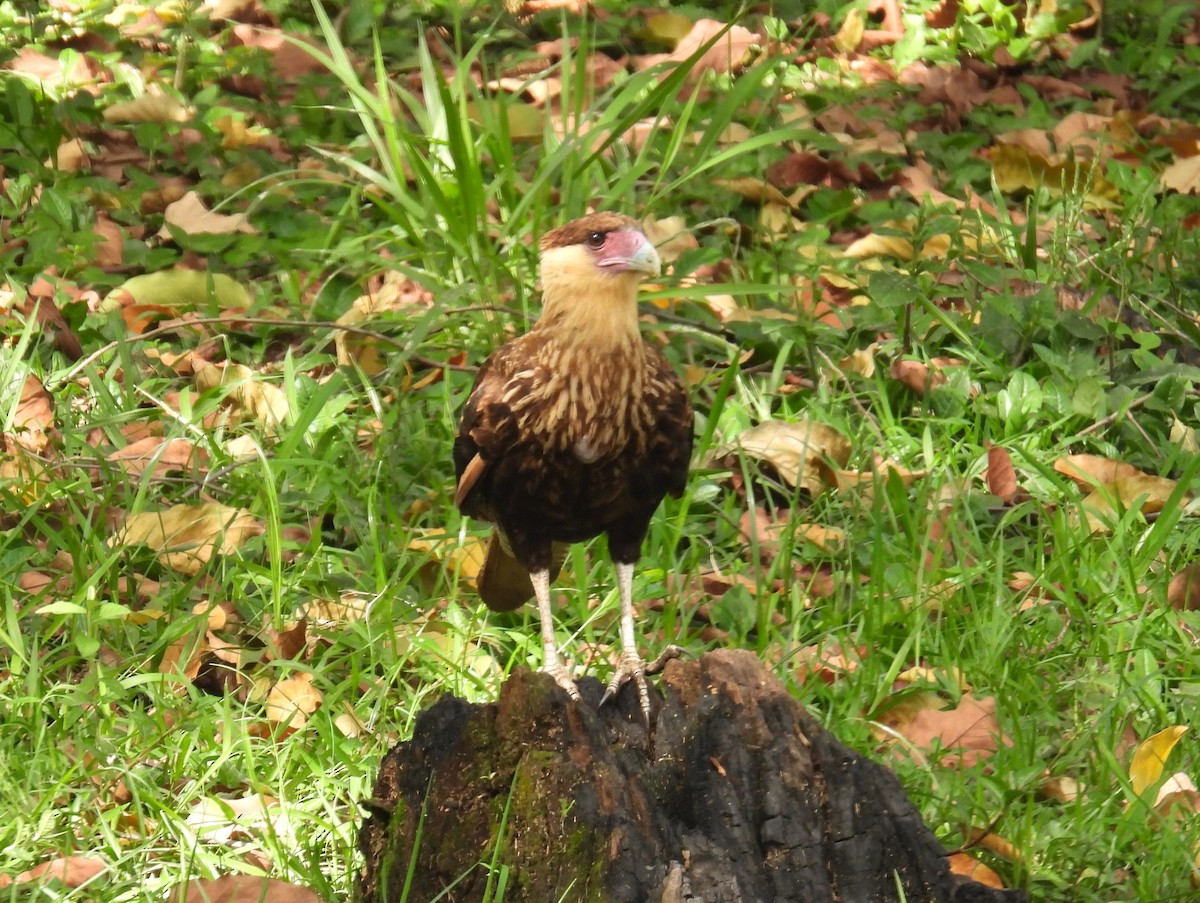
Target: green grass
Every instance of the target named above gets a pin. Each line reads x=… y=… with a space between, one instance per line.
x=105 y=753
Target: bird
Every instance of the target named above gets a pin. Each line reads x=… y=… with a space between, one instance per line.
x=577 y=428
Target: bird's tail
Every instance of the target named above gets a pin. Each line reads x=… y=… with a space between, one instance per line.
x=503 y=581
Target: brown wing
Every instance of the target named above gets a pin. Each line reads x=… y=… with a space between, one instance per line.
x=670 y=445
x=487 y=425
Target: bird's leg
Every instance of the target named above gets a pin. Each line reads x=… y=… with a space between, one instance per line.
x=631 y=665
x=551 y=663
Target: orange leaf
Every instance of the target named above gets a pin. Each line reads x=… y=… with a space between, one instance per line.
x=1001 y=477
x=970 y=867
x=72 y=871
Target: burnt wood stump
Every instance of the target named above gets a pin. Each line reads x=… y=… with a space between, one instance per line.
x=740 y=797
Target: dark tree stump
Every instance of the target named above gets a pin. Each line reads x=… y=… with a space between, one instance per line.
x=743 y=797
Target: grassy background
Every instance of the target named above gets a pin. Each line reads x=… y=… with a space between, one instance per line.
x=105 y=753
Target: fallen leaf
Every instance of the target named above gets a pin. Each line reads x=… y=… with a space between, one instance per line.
x=242 y=889
x=1177 y=796
x=1017 y=169
x=34 y=416
x=190 y=216
x=969 y=731
x=1102 y=506
x=1064 y=789
x=290 y=701
x=1151 y=755
x=1182 y=176
x=178 y=290
x=220 y=820
x=797 y=449
x=163 y=455
x=971 y=868
x=187 y=536
x=248 y=396
x=1183 y=592
x=150 y=107
x=73 y=871
x=1089 y=471
x=1001 y=476
x=850 y=34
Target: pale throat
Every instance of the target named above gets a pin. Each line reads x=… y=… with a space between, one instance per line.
x=594 y=309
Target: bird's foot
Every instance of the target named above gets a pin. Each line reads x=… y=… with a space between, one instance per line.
x=632 y=666
x=563 y=677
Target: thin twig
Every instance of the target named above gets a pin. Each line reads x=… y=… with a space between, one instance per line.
x=1116 y=415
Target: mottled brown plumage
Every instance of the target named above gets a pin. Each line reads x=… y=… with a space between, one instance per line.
x=577 y=428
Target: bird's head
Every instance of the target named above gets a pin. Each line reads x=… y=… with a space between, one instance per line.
x=590 y=270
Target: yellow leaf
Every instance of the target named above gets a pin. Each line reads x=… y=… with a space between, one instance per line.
x=149 y=108
x=850 y=35
x=667 y=29
x=1017 y=169
x=1149 y=493
x=187 y=536
x=1150 y=757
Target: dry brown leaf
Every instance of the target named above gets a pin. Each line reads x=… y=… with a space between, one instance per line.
x=242 y=889
x=828 y=539
x=1182 y=176
x=73 y=871
x=969 y=731
x=219 y=820
x=34 y=416
x=187 y=536
x=828 y=663
x=944 y=15
x=190 y=216
x=290 y=701
x=349 y=724
x=1063 y=789
x=730 y=52
x=755 y=189
x=249 y=396
x=670 y=235
x=163 y=455
x=864 y=481
x=1178 y=797
x=1001 y=476
x=798 y=450
x=1183 y=592
x=861 y=362
x=917 y=376
x=397 y=294
x=1090 y=471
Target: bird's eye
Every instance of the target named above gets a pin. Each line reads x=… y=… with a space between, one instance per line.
x=595 y=240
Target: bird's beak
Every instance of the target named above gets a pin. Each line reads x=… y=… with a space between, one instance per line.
x=633 y=254
x=645 y=260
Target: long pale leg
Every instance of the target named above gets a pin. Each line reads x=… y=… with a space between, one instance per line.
x=552 y=665
x=631 y=665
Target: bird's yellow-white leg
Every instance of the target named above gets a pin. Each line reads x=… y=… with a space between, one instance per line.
x=551 y=663
x=630 y=665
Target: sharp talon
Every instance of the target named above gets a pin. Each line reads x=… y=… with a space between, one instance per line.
x=631 y=667
x=562 y=676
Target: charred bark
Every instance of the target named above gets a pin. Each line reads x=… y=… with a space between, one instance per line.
x=741 y=796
